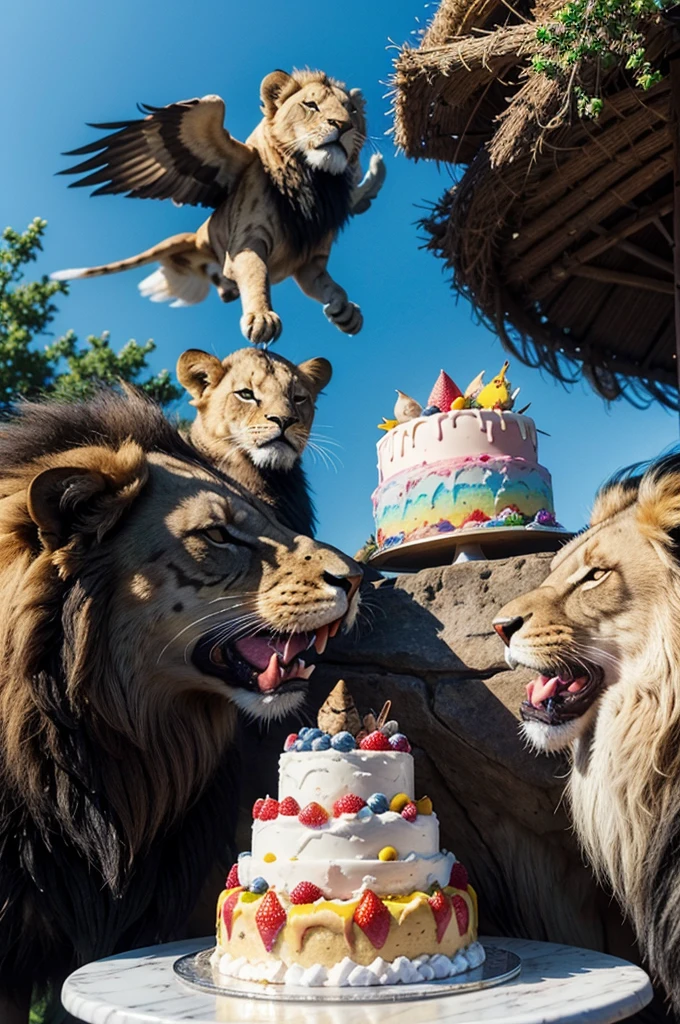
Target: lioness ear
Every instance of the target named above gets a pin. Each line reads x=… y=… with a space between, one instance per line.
x=88 y=498
x=318 y=372
x=276 y=88
x=197 y=370
x=358 y=99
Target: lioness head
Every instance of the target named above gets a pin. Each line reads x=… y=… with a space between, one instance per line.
x=253 y=402
x=315 y=116
x=601 y=631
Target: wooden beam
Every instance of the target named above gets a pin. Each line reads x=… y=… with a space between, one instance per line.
x=607 y=276
x=647 y=257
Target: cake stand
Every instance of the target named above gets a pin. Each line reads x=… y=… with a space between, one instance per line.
x=557 y=984
x=469 y=545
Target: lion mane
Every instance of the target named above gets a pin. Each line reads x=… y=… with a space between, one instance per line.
x=610 y=608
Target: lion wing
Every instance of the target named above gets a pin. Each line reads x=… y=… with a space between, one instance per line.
x=368 y=187
x=181 y=152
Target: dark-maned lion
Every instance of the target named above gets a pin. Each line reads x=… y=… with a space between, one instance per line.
x=603 y=632
x=143 y=597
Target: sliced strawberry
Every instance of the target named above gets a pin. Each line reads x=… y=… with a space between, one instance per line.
x=459 y=876
x=349 y=804
x=257 y=807
x=440 y=905
x=270 y=918
x=228 y=910
x=232 y=878
x=410 y=812
x=305 y=892
x=269 y=810
x=289 y=807
x=373 y=917
x=313 y=815
x=375 y=740
x=462 y=913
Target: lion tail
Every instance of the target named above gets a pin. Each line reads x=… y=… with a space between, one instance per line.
x=174 y=246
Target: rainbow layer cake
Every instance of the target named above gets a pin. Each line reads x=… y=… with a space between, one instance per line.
x=346 y=884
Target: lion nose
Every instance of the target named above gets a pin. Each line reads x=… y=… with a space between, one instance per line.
x=350 y=583
x=342 y=126
x=507 y=627
x=283 y=422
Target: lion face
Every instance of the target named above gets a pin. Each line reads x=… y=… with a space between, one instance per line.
x=593 y=619
x=316 y=117
x=254 y=402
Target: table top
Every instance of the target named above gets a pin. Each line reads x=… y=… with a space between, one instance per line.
x=557 y=983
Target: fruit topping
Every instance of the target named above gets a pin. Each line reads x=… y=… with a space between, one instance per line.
x=444 y=392
x=440 y=905
x=459 y=876
x=258 y=885
x=269 y=810
x=289 y=807
x=398 y=802
x=462 y=913
x=349 y=804
x=313 y=815
x=290 y=741
x=399 y=742
x=270 y=918
x=388 y=853
x=228 y=910
x=321 y=743
x=378 y=803
x=410 y=812
x=375 y=740
x=343 y=741
x=257 y=807
x=390 y=728
x=424 y=805
x=232 y=878
x=305 y=892
x=373 y=917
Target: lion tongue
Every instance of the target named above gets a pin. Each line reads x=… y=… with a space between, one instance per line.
x=272 y=675
x=257 y=650
x=542 y=688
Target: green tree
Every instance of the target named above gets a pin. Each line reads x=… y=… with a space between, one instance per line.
x=62 y=368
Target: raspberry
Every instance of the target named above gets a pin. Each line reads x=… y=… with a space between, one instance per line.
x=228 y=910
x=232 y=878
x=270 y=918
x=290 y=740
x=313 y=815
x=444 y=392
x=410 y=812
x=289 y=807
x=257 y=807
x=399 y=742
x=459 y=877
x=269 y=810
x=375 y=741
x=373 y=917
x=348 y=804
x=305 y=892
x=462 y=913
x=440 y=905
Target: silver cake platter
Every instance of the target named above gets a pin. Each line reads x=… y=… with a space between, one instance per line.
x=469 y=545
x=197 y=971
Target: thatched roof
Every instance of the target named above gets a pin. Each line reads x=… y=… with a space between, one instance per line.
x=559 y=229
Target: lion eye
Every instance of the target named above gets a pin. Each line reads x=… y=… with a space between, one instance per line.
x=217 y=535
x=310 y=104
x=300 y=399
x=595 y=575
x=245 y=394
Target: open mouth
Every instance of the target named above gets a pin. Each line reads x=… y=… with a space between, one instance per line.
x=556 y=698
x=265 y=662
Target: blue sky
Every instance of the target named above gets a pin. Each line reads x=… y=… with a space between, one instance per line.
x=77 y=61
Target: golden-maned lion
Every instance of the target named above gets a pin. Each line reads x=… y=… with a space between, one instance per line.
x=144 y=597
x=255 y=411
x=279 y=200
x=603 y=632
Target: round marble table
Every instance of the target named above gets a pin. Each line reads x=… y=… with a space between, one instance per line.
x=557 y=983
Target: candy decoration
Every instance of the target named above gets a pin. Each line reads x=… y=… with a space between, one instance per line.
x=375 y=741
x=389 y=728
x=343 y=741
x=269 y=810
x=424 y=805
x=305 y=892
x=258 y=885
x=545 y=518
x=257 y=807
x=270 y=918
x=406 y=408
x=322 y=742
x=378 y=803
x=338 y=713
x=462 y=913
x=232 y=878
x=313 y=815
x=289 y=807
x=398 y=802
x=459 y=403
x=349 y=804
x=269 y=858
x=228 y=910
x=444 y=391
x=373 y=917
x=290 y=741
x=459 y=876
x=399 y=742
x=388 y=853
x=388 y=424
x=410 y=812
x=440 y=905
x=497 y=393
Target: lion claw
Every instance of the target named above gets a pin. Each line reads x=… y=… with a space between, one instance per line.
x=346 y=316
x=261 y=328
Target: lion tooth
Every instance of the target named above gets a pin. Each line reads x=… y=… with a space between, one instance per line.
x=334 y=627
x=321 y=639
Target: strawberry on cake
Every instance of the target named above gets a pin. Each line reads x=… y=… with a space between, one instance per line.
x=346 y=884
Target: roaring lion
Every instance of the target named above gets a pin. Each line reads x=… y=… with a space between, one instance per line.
x=255 y=412
x=279 y=199
x=603 y=632
x=144 y=597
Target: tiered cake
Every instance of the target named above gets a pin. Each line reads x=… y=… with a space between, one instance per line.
x=466 y=463
x=346 y=884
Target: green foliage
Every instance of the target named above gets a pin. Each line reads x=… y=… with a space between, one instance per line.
x=62 y=368
x=597 y=35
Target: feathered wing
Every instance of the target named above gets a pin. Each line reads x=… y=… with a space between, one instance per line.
x=181 y=152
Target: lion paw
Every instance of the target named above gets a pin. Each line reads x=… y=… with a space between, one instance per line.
x=261 y=328
x=345 y=315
